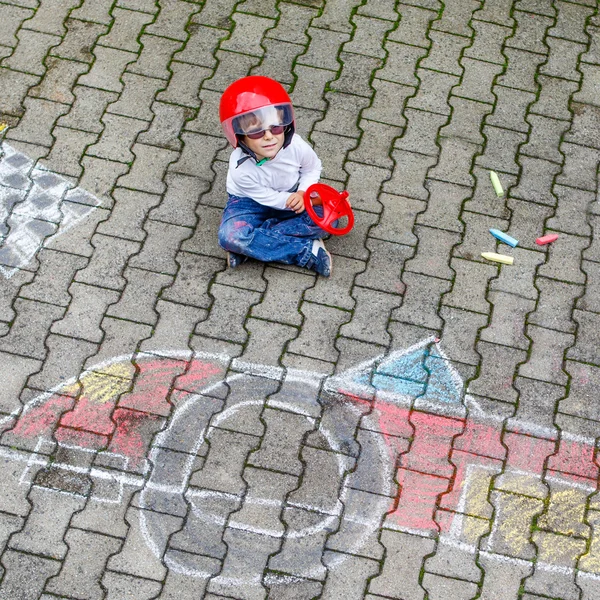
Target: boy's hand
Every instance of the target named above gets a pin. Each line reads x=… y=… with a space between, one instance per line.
x=296 y=202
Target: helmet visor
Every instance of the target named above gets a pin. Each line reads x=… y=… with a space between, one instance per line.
x=256 y=121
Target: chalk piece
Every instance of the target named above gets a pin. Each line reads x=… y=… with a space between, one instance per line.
x=504 y=237
x=497 y=185
x=3 y=126
x=546 y=239
x=501 y=258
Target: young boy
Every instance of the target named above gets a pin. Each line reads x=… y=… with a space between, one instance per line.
x=269 y=170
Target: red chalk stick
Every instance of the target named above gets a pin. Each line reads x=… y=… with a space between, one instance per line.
x=546 y=239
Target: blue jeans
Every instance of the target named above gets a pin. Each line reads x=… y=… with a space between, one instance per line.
x=268 y=234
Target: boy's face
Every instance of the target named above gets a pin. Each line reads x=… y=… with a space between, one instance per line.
x=267 y=146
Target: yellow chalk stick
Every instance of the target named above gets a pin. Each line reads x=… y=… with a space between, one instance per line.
x=3 y=126
x=496 y=183
x=501 y=258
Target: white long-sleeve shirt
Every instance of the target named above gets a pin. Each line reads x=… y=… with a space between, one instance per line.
x=271 y=182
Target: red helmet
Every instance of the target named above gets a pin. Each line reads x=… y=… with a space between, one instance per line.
x=262 y=100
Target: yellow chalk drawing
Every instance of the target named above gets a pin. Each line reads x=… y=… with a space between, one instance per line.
x=102 y=387
x=558 y=550
x=558 y=537
x=565 y=513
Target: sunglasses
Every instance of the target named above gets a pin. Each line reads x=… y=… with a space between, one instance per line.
x=274 y=129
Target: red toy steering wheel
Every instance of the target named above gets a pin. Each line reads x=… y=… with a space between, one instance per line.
x=335 y=206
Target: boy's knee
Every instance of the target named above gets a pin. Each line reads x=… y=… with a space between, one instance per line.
x=232 y=235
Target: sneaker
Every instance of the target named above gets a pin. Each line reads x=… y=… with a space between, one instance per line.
x=235 y=260
x=320 y=261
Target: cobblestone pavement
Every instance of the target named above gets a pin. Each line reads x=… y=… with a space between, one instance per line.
x=422 y=425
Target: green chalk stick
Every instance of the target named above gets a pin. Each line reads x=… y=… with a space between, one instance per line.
x=497 y=185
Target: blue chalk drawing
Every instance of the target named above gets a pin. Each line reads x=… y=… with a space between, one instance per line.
x=413 y=373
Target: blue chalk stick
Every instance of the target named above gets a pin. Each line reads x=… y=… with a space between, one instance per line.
x=503 y=237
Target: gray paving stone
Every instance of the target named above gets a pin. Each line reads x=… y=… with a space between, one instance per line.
x=375 y=144
x=154 y=59
x=421 y=300
x=332 y=149
x=356 y=74
x=41 y=534
x=228 y=302
x=247 y=27
x=302 y=548
x=430 y=243
x=363 y=185
x=502 y=578
x=455 y=160
x=414 y=23
x=467 y=119
x=350 y=579
x=397 y=220
x=401 y=63
x=26 y=575
x=384 y=255
x=522 y=70
x=222 y=471
x=158 y=254
x=260 y=511
x=58 y=80
x=13 y=17
x=244 y=564
x=84 y=565
x=543 y=582
x=409 y=174
x=371 y=315
x=343 y=108
x=136 y=558
x=205 y=523
x=567 y=255
x=96 y=12
x=509 y=313
x=404 y=557
x=36 y=124
x=85 y=311
x=497 y=368
x=445 y=52
x=118 y=136
x=76 y=44
x=464 y=293
x=434 y=89
x=16 y=85
x=535 y=182
x=564 y=59
x=321 y=481
x=172 y=20
x=283 y=296
x=30 y=51
x=139 y=296
x=184 y=84
x=444 y=587
x=64 y=358
x=120 y=585
x=584 y=348
x=315 y=340
x=107 y=69
x=30 y=328
x=17 y=370
x=179 y=585
x=108 y=260
x=579 y=166
x=137 y=97
x=554 y=98
x=87 y=109
x=422 y=132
